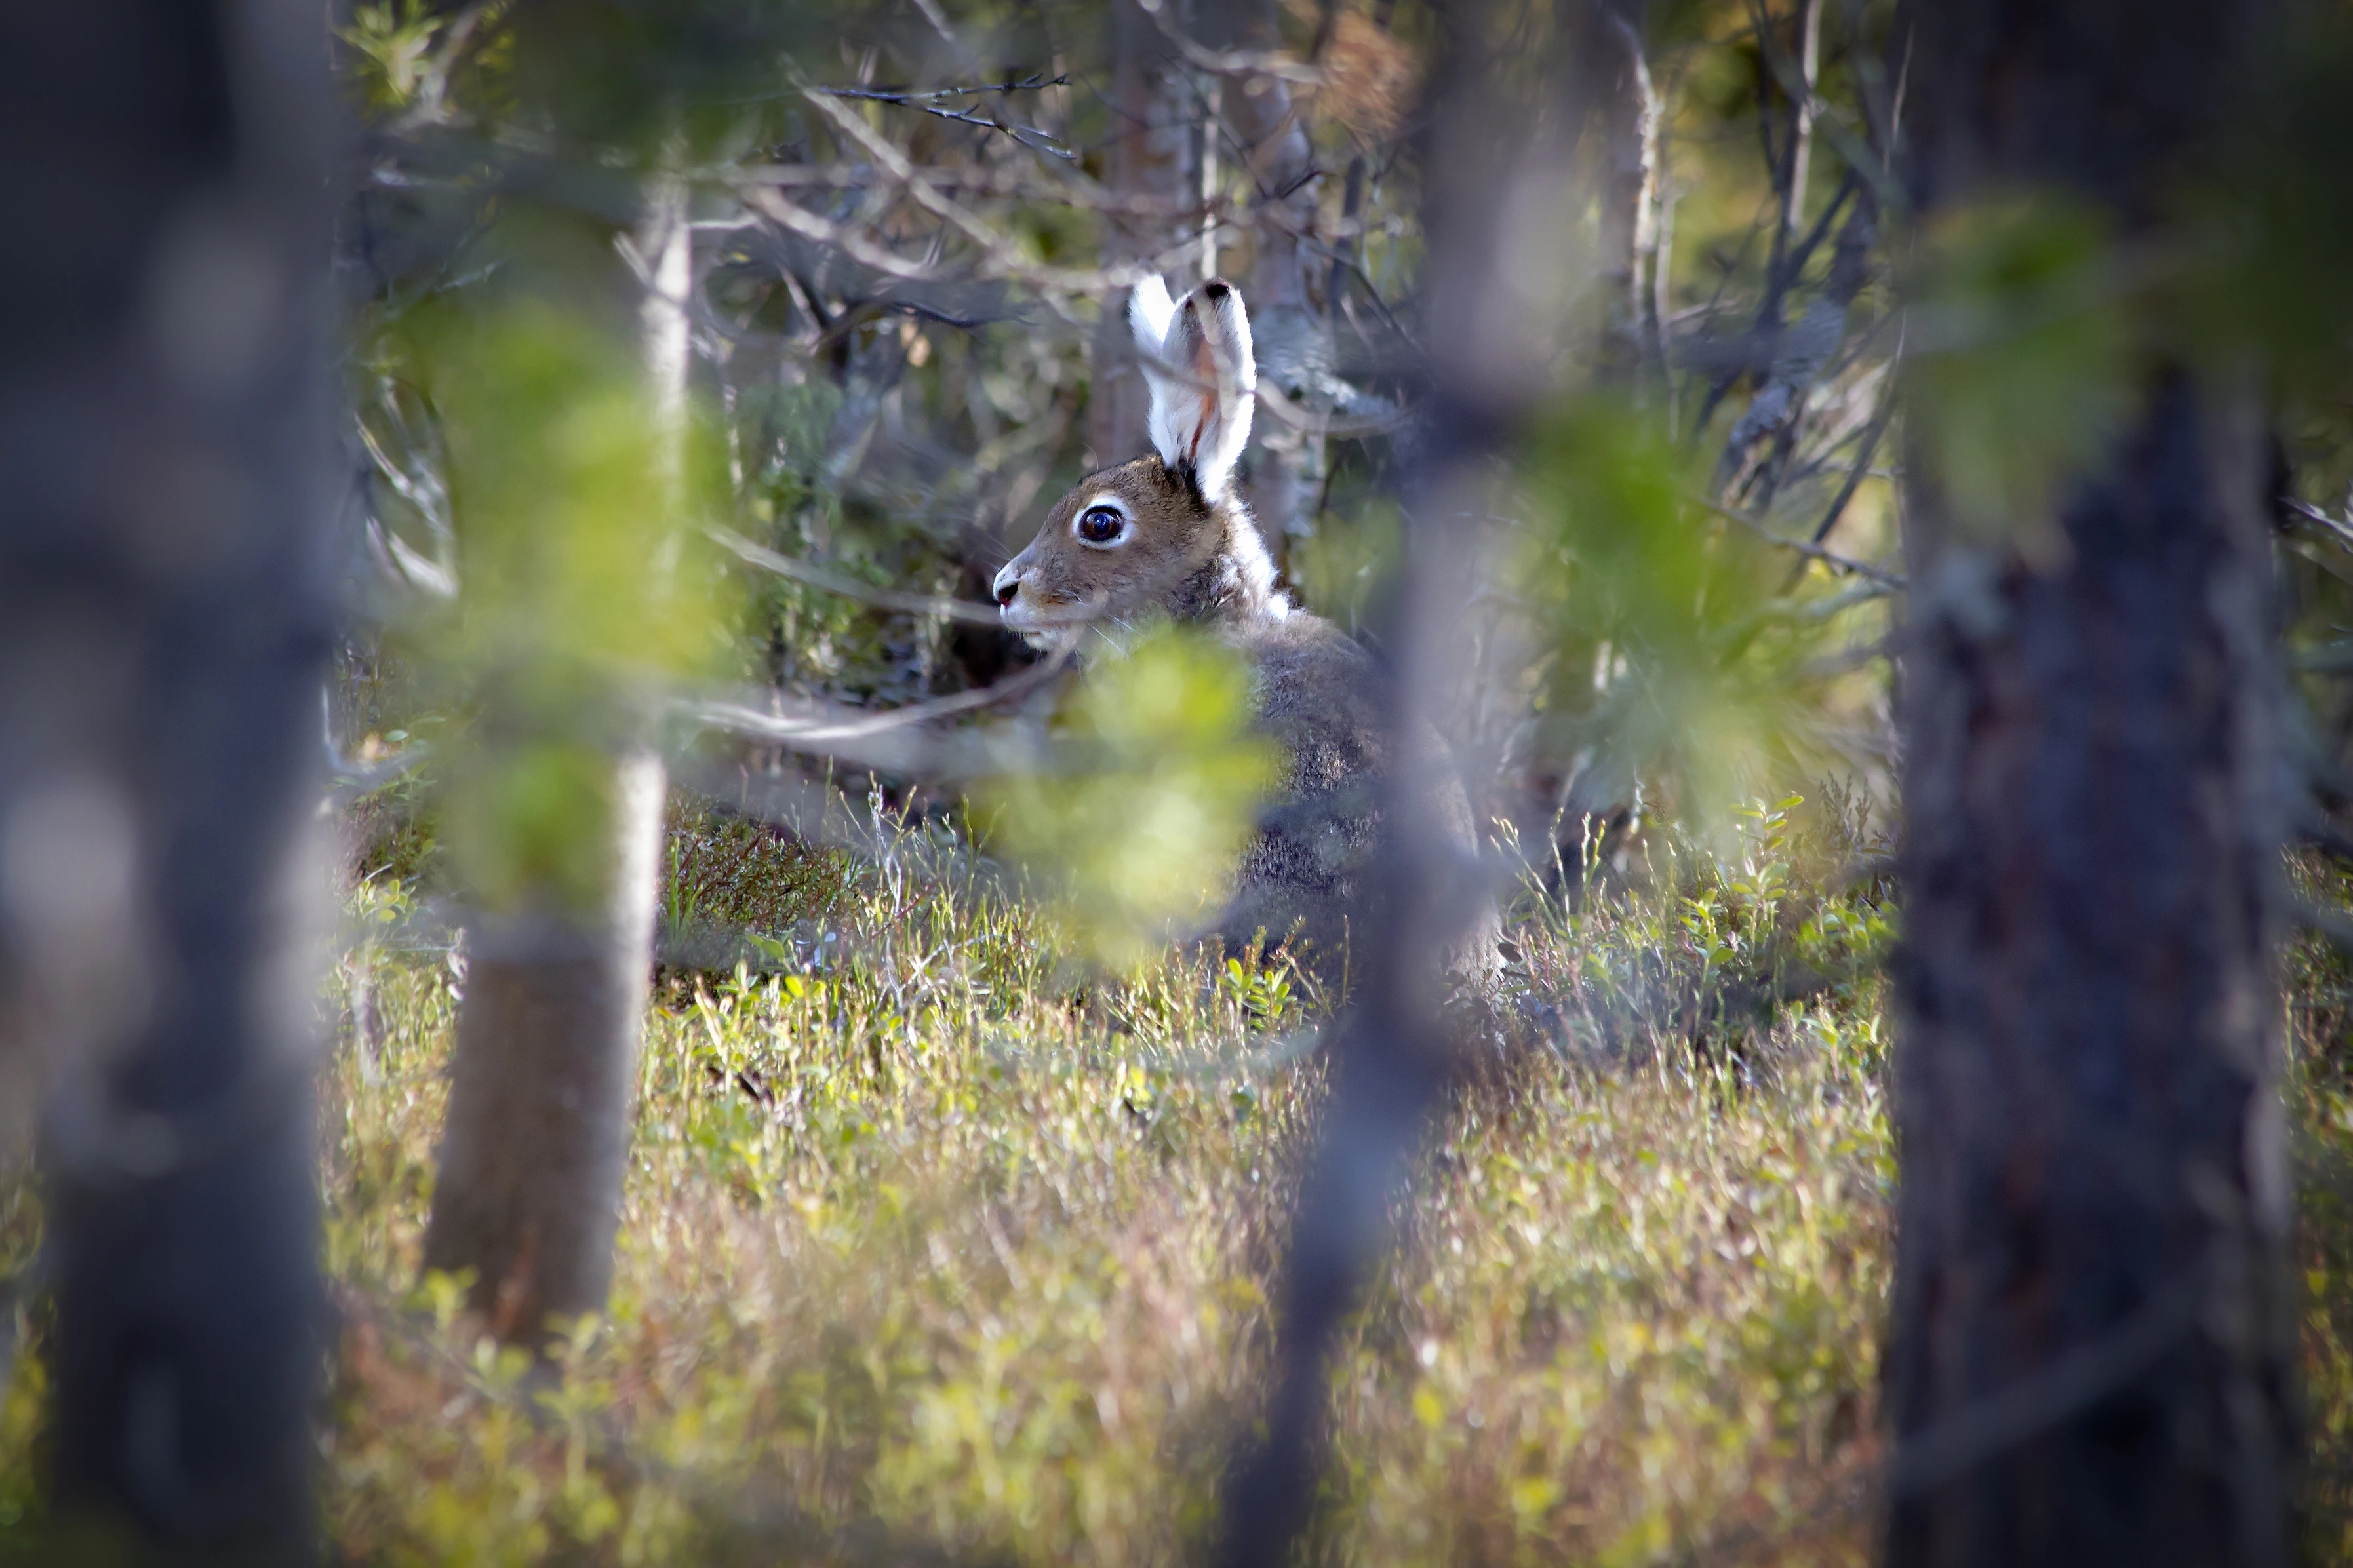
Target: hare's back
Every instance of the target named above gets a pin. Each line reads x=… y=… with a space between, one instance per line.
x=1320 y=695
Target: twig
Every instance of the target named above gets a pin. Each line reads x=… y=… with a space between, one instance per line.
x=833 y=728
x=849 y=587
x=1802 y=546
x=1074 y=191
x=2338 y=530
x=926 y=103
x=1273 y=63
x=1002 y=259
x=1861 y=467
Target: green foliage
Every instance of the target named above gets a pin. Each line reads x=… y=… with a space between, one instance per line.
x=411 y=57
x=2022 y=360
x=1140 y=828
x=577 y=577
x=1339 y=568
x=580 y=591
x=1668 y=644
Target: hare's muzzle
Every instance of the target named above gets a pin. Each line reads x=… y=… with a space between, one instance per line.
x=1010 y=582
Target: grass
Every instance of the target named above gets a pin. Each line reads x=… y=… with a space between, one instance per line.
x=936 y=1246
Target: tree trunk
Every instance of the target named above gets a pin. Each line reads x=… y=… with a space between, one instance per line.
x=165 y=619
x=1153 y=121
x=1490 y=330
x=1286 y=469
x=2092 y=1346
x=1610 y=85
x=536 y=1145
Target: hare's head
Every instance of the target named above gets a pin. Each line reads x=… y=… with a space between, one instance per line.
x=1165 y=533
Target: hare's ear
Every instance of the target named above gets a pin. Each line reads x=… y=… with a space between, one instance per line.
x=1204 y=379
x=1149 y=311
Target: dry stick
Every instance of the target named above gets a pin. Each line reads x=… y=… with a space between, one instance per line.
x=1076 y=191
x=828 y=727
x=1275 y=63
x=2338 y=530
x=1803 y=349
x=1871 y=434
x=1758 y=526
x=1781 y=270
x=1001 y=258
x=849 y=587
x=1028 y=136
x=1803 y=102
x=1648 y=302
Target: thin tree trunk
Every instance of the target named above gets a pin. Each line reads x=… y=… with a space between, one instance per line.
x=165 y=618
x=1801 y=129
x=536 y=1144
x=532 y=1157
x=1609 y=84
x=1286 y=472
x=2092 y=1341
x=1490 y=333
x=1152 y=127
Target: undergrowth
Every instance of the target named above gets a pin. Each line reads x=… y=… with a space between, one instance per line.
x=938 y=1246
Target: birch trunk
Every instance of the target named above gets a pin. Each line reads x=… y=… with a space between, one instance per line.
x=1285 y=470
x=536 y=1144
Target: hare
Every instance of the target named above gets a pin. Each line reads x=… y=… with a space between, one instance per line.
x=1167 y=535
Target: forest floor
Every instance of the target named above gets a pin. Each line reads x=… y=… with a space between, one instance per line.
x=939 y=1247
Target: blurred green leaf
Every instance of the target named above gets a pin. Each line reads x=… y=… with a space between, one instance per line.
x=1142 y=837
x=2021 y=366
x=1655 y=667
x=581 y=592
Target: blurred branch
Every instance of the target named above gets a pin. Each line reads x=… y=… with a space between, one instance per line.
x=849 y=587
x=1804 y=547
x=1860 y=467
x=927 y=103
x=2336 y=530
x=1076 y=191
x=1822 y=115
x=1275 y=63
x=1003 y=258
x=2068 y=1383
x=839 y=730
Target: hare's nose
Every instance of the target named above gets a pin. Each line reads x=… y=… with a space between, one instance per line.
x=1007 y=586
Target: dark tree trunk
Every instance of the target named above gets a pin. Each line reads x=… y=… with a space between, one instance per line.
x=165 y=618
x=1490 y=358
x=2092 y=1345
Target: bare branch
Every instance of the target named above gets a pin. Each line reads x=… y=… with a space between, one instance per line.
x=851 y=588
x=1804 y=547
x=1275 y=63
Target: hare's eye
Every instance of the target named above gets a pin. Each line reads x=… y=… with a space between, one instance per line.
x=1102 y=524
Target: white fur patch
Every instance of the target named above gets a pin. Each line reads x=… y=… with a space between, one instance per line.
x=1203 y=373
x=1149 y=311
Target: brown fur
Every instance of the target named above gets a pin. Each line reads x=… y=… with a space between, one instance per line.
x=1303 y=877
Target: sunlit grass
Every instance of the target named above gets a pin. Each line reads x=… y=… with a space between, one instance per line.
x=935 y=1243
x=934 y=1248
